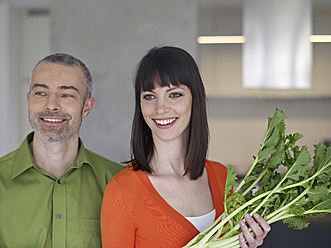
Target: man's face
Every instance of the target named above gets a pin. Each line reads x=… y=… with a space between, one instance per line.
x=56 y=102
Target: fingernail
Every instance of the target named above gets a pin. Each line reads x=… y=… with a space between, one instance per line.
x=256 y=215
x=247 y=216
x=242 y=223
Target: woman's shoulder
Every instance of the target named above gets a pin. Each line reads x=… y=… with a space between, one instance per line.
x=126 y=174
x=216 y=170
x=215 y=165
x=125 y=181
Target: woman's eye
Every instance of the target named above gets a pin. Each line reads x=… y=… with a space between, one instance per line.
x=175 y=95
x=148 y=97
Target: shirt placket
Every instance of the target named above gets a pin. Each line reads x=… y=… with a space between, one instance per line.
x=59 y=214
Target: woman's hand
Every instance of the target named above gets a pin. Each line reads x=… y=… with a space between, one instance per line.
x=260 y=229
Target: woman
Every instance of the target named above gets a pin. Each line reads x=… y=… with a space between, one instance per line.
x=170 y=192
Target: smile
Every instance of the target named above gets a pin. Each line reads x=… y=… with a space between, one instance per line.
x=52 y=120
x=164 y=122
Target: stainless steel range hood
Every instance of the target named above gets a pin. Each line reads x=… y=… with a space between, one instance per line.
x=277 y=53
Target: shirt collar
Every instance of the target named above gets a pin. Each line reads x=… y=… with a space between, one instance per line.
x=83 y=157
x=24 y=159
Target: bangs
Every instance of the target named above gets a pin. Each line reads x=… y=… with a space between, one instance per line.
x=162 y=70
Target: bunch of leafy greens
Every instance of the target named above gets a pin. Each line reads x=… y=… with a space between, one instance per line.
x=293 y=196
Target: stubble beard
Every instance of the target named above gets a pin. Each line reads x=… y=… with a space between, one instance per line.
x=54 y=134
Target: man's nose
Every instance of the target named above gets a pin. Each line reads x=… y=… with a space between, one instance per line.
x=52 y=103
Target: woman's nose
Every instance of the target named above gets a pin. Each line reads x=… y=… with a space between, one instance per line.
x=162 y=106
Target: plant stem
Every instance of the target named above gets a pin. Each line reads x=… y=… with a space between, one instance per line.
x=289 y=204
x=254 y=183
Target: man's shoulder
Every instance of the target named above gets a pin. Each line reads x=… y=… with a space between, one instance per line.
x=8 y=158
x=101 y=162
x=22 y=151
x=6 y=165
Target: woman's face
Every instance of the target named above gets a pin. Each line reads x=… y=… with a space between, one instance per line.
x=167 y=111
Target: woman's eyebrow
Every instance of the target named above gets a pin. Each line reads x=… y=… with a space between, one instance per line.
x=175 y=88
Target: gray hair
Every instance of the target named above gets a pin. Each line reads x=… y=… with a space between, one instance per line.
x=68 y=60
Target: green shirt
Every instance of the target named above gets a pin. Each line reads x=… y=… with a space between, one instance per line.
x=38 y=210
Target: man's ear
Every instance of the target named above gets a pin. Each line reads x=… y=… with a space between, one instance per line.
x=88 y=105
x=28 y=96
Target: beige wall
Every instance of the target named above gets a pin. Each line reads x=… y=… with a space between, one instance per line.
x=235 y=141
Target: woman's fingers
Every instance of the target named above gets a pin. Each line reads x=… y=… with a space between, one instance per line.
x=250 y=240
x=263 y=224
x=260 y=229
x=242 y=241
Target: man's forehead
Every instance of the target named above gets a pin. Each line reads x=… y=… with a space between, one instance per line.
x=56 y=66
x=50 y=71
x=51 y=76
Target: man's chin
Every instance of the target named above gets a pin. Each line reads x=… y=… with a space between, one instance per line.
x=51 y=137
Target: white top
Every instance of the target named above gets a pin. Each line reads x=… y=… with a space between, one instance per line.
x=203 y=221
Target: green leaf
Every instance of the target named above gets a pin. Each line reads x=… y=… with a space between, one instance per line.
x=272 y=140
x=278 y=156
x=322 y=164
x=297 y=209
x=299 y=167
x=322 y=156
x=270 y=180
x=272 y=201
x=293 y=138
x=297 y=222
x=318 y=193
x=262 y=154
x=277 y=119
x=230 y=180
x=325 y=205
x=318 y=155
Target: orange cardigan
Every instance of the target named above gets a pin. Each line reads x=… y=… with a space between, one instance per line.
x=134 y=215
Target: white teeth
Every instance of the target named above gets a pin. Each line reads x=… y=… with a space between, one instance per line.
x=53 y=120
x=165 y=122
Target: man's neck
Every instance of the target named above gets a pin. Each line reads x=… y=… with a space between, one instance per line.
x=55 y=157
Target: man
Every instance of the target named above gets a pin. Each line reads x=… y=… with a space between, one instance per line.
x=51 y=187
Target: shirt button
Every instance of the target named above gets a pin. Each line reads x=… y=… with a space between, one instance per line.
x=59 y=181
x=59 y=215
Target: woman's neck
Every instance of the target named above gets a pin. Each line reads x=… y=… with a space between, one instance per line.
x=169 y=157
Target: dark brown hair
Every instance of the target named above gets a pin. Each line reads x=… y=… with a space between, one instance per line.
x=171 y=66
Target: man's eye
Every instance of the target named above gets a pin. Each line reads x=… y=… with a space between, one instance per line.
x=176 y=95
x=40 y=93
x=67 y=95
x=148 y=97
